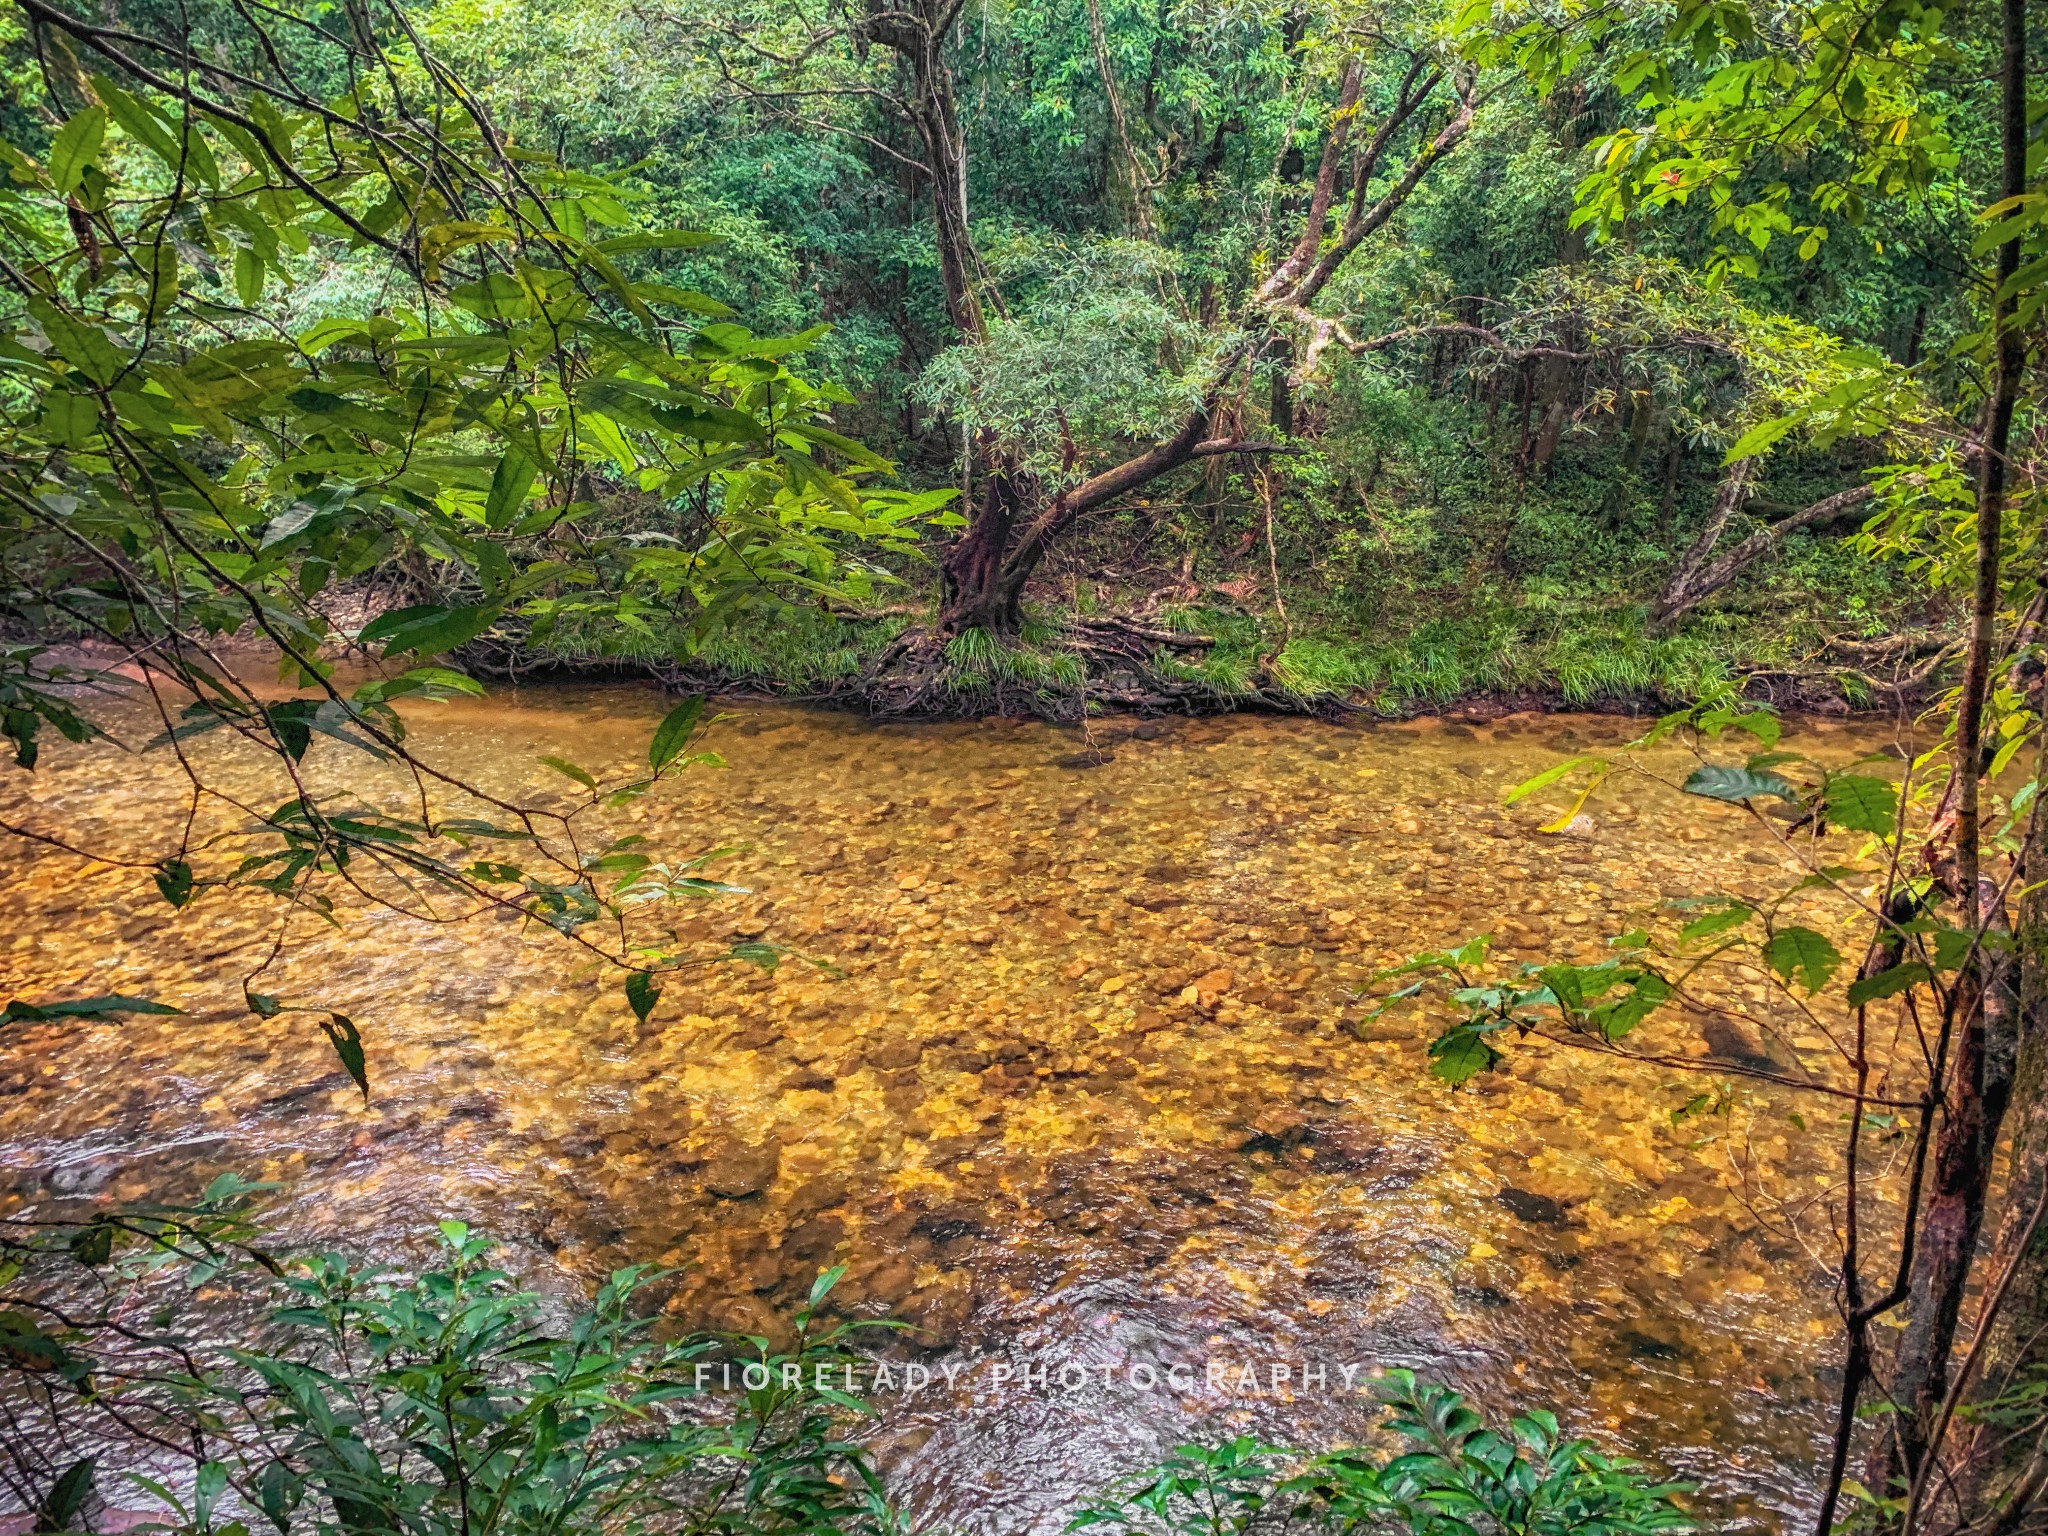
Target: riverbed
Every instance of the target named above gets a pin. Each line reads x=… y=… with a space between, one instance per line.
x=1068 y=1063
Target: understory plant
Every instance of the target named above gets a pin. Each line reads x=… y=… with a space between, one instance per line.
x=362 y=1400
x=444 y=1402
x=1455 y=1476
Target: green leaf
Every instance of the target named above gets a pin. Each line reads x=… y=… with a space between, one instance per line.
x=1543 y=780
x=434 y=682
x=1732 y=915
x=24 y=1345
x=278 y=1493
x=568 y=769
x=430 y=629
x=1649 y=993
x=82 y=1008
x=86 y=347
x=292 y=724
x=1759 y=438
x=658 y=240
x=673 y=734
x=766 y=956
x=509 y=487
x=1766 y=727
x=494 y=296
x=642 y=993
x=1801 y=955
x=347 y=1041
x=93 y=1245
x=1461 y=1054
x=682 y=298
x=822 y=1286
x=248 y=275
x=1718 y=781
x=1889 y=983
x=138 y=121
x=76 y=146
x=71 y=419
x=1862 y=803
x=63 y=1506
x=174 y=881
x=160 y=266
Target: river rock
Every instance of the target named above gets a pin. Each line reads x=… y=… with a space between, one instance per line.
x=894 y=1055
x=1280 y=1125
x=881 y=1285
x=820 y=1193
x=810 y=1244
x=1736 y=1041
x=1538 y=1210
x=742 y=1171
x=1344 y=1146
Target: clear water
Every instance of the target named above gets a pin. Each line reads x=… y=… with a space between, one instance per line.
x=1087 y=1092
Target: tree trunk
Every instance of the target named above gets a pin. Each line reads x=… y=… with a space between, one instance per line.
x=1281 y=406
x=1980 y=1086
x=975 y=593
x=1728 y=500
x=1014 y=519
x=1696 y=580
x=1667 y=502
x=1553 y=381
x=2020 y=1239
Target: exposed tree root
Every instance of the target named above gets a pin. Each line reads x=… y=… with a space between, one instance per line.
x=915 y=677
x=1125 y=662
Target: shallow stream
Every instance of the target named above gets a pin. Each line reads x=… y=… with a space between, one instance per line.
x=1090 y=1089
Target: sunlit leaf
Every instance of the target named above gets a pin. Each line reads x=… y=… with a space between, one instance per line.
x=1800 y=955
x=1461 y=1054
x=1887 y=983
x=569 y=770
x=1862 y=803
x=76 y=146
x=673 y=734
x=1544 y=779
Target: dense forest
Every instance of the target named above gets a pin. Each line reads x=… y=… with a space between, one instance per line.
x=1203 y=357
x=1204 y=451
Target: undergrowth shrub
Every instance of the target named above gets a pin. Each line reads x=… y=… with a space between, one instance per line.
x=319 y=1395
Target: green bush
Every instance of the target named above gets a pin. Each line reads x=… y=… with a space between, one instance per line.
x=1459 y=1478
x=452 y=1402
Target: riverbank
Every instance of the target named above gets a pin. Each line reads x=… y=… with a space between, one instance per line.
x=1208 y=659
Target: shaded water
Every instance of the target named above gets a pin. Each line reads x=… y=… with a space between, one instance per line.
x=1092 y=1090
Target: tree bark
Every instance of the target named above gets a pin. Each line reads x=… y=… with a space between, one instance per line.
x=1985 y=984
x=2022 y=1243
x=1696 y=580
x=1734 y=491
x=1979 y=1088
x=918 y=32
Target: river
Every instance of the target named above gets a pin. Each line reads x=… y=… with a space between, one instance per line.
x=1087 y=1086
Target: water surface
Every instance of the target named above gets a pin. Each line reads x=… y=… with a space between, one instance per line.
x=1088 y=1085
